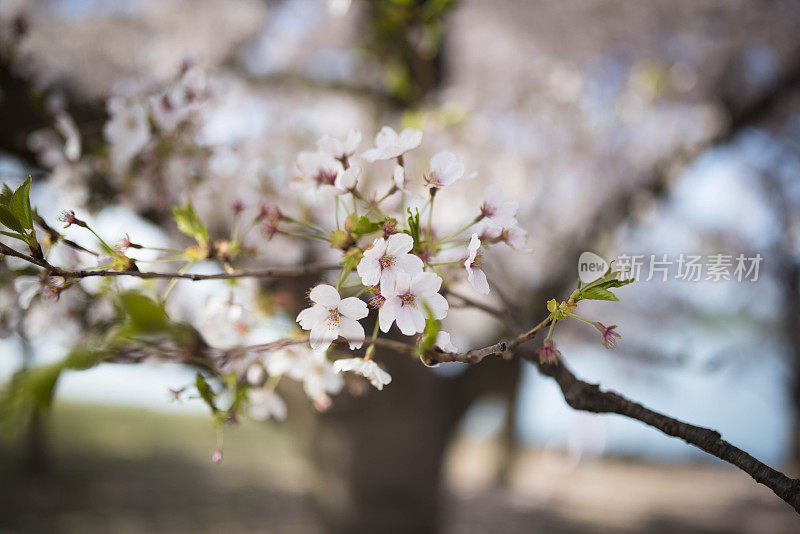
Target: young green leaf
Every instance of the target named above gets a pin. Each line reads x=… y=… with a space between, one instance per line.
x=190 y=224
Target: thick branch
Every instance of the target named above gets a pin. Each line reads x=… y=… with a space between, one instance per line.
x=587 y=397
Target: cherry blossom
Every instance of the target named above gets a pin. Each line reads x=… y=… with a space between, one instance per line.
x=475 y=274
x=288 y=361
x=407 y=301
x=318 y=169
x=444 y=343
x=331 y=317
x=386 y=258
x=388 y=144
x=127 y=131
x=265 y=404
x=341 y=150
x=320 y=377
x=345 y=182
x=445 y=169
x=511 y=234
x=366 y=368
x=610 y=335
x=496 y=207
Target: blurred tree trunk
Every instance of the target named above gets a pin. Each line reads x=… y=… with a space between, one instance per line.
x=380 y=455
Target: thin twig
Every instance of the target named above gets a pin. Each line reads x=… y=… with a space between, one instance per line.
x=271 y=272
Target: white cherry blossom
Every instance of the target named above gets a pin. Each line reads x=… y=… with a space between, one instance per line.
x=407 y=301
x=444 y=343
x=289 y=361
x=265 y=404
x=386 y=258
x=317 y=169
x=366 y=368
x=475 y=274
x=445 y=169
x=127 y=131
x=332 y=316
x=339 y=149
x=320 y=377
x=511 y=234
x=497 y=208
x=344 y=183
x=388 y=144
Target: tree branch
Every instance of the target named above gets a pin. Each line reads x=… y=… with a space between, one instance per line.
x=270 y=272
x=587 y=397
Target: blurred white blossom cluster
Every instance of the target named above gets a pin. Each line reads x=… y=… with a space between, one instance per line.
x=391 y=251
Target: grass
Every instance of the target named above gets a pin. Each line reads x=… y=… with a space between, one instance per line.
x=128 y=470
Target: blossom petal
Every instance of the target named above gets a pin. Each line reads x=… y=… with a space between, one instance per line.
x=369 y=270
x=353 y=308
x=386 y=138
x=478 y=280
x=372 y=155
x=410 y=320
x=426 y=283
x=348 y=179
x=399 y=244
x=442 y=161
x=410 y=138
x=325 y=295
x=409 y=263
x=443 y=342
x=438 y=305
x=311 y=316
x=322 y=335
x=352 y=331
x=388 y=313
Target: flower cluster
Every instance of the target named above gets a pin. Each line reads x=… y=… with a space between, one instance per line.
x=390 y=246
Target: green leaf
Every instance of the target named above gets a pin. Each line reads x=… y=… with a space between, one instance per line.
x=10 y=220
x=364 y=226
x=413 y=225
x=349 y=264
x=5 y=195
x=145 y=316
x=432 y=328
x=189 y=223
x=205 y=391
x=599 y=289
x=598 y=293
x=20 y=204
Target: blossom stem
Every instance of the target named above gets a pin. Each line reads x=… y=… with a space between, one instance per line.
x=430 y=215
x=310 y=236
x=174 y=281
x=308 y=225
x=458 y=232
x=585 y=320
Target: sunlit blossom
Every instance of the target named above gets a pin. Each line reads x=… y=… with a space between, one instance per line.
x=386 y=258
x=331 y=317
x=389 y=144
x=341 y=150
x=410 y=300
x=475 y=274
